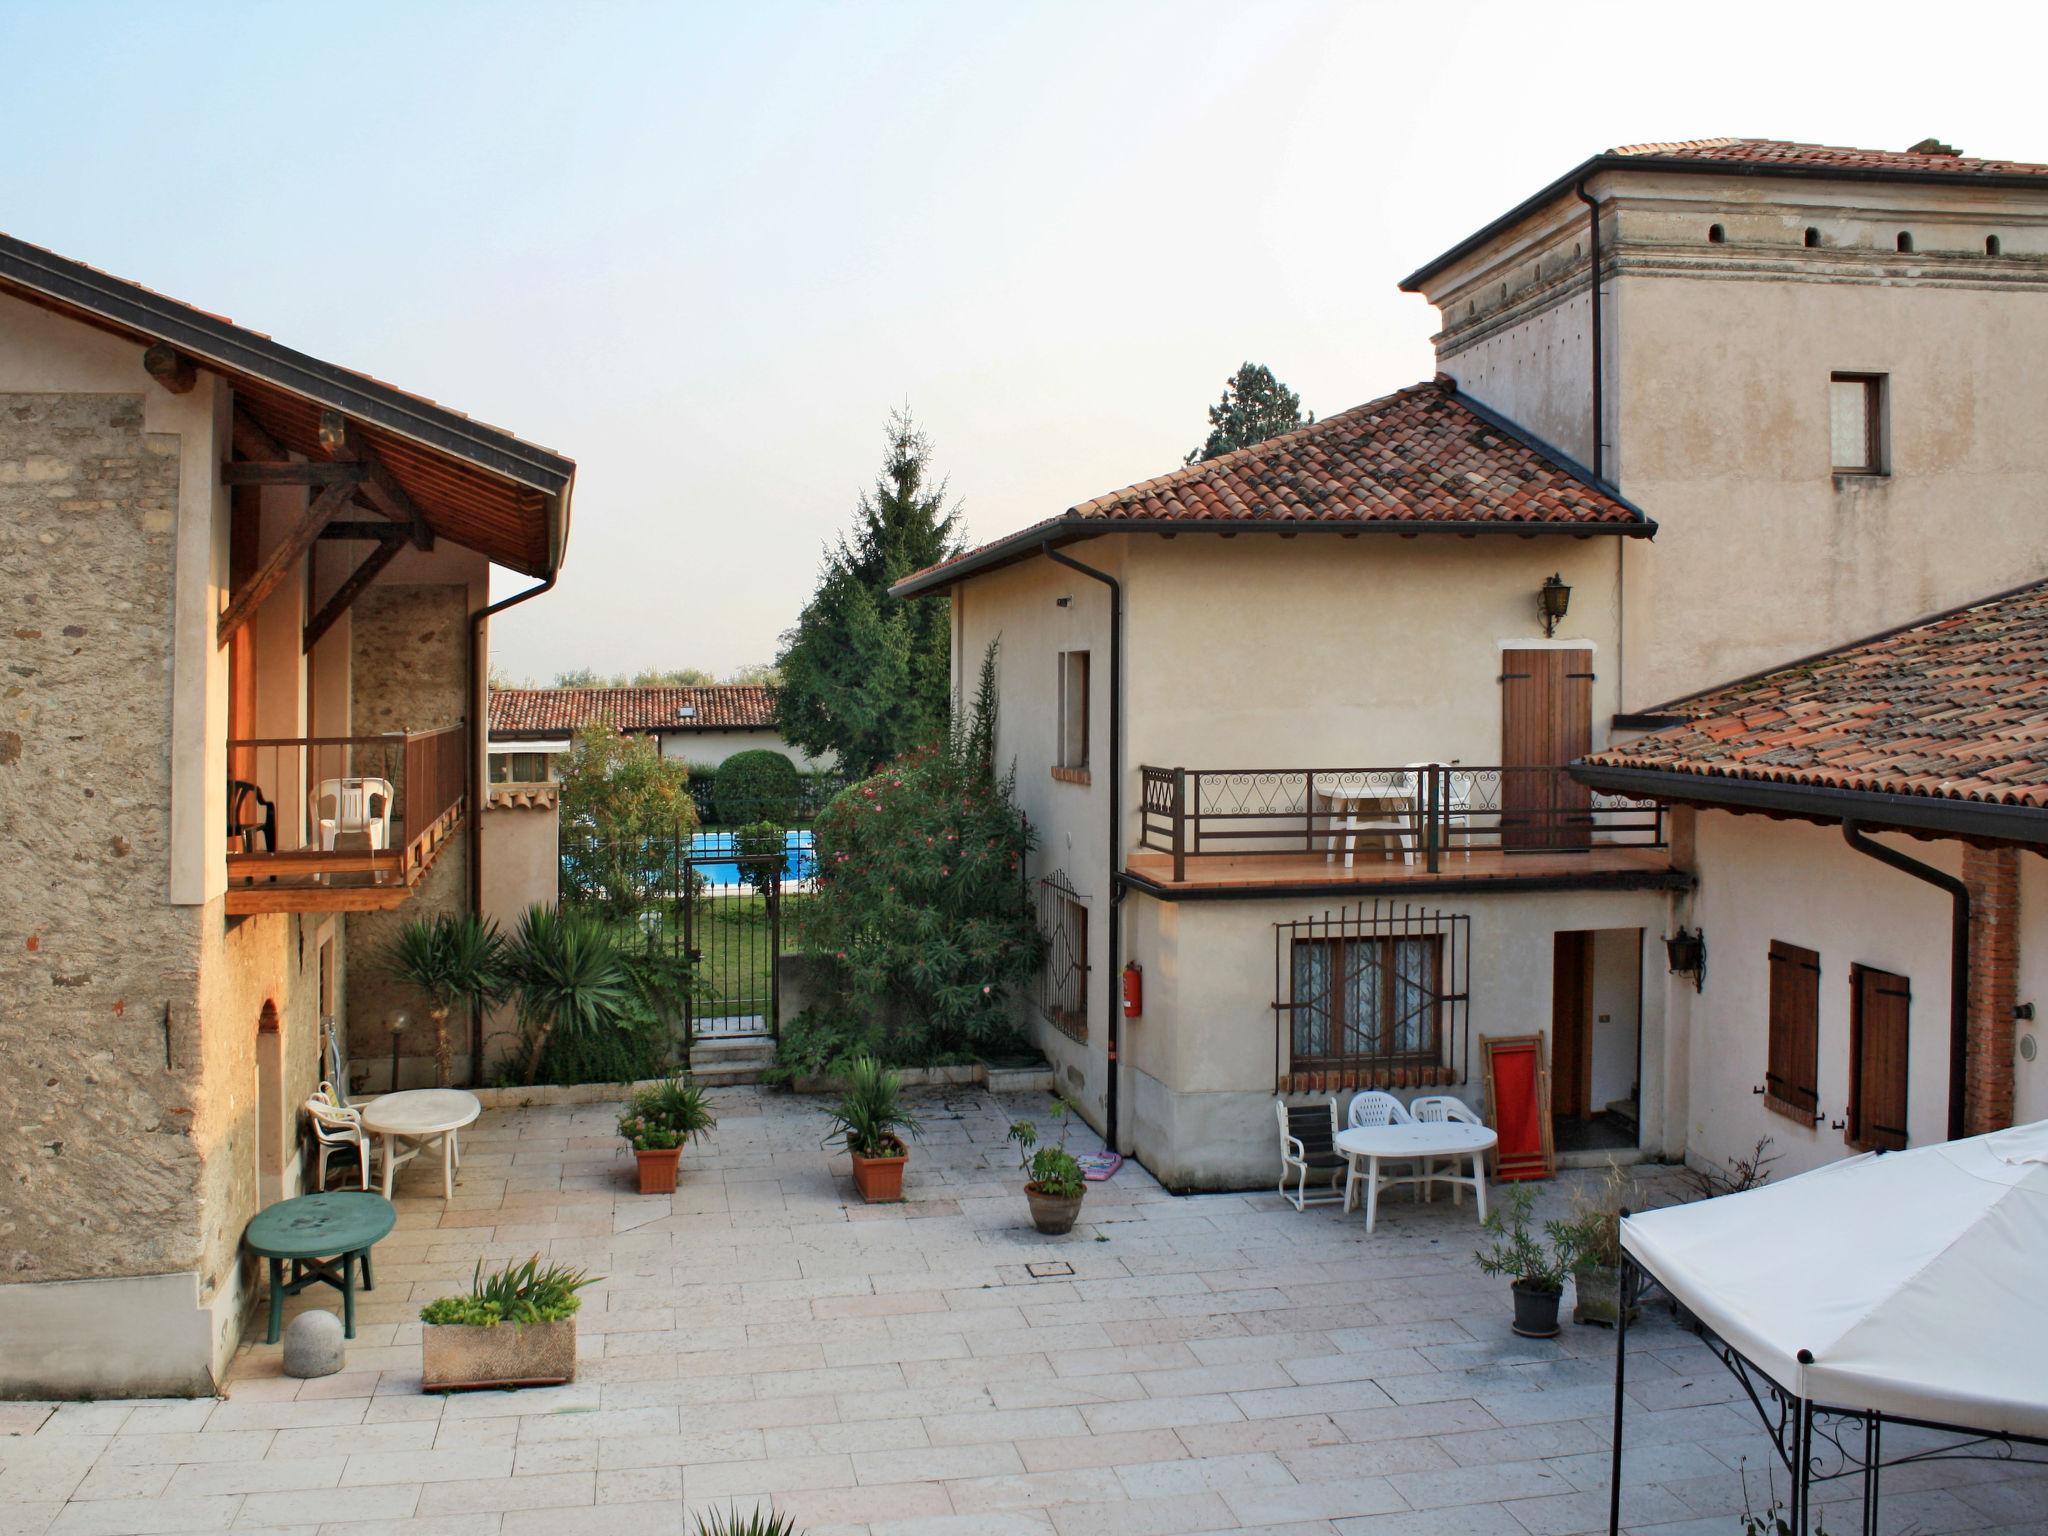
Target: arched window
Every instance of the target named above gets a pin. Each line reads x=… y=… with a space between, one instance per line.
x=1716 y=234
x=1906 y=241
x=1991 y=245
x=1812 y=237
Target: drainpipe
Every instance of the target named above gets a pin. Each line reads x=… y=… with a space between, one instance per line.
x=1116 y=827
x=1958 y=965
x=1593 y=250
x=473 y=786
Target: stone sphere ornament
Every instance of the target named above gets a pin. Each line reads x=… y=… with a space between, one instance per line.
x=313 y=1345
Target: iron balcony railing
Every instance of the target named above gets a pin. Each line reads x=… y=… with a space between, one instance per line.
x=1425 y=812
x=322 y=806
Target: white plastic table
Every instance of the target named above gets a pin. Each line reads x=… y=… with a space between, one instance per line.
x=420 y=1115
x=1419 y=1144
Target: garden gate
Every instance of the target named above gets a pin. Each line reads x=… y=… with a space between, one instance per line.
x=734 y=924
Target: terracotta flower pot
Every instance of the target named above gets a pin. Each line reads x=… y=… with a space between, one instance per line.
x=455 y=1357
x=658 y=1169
x=1536 y=1311
x=880 y=1179
x=1053 y=1214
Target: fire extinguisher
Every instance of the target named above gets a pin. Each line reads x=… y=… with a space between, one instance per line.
x=1134 y=990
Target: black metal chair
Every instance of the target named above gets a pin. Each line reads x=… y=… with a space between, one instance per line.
x=1308 y=1144
x=242 y=824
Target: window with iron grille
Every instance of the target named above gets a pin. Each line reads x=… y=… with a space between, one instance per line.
x=1063 y=976
x=1371 y=997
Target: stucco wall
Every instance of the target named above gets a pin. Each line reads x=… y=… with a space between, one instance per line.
x=709 y=748
x=1716 y=372
x=522 y=868
x=1762 y=880
x=2030 y=1078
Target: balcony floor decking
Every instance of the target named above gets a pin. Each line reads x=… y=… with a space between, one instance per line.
x=1599 y=865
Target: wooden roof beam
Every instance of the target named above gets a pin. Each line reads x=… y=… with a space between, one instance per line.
x=390 y=543
x=242 y=605
x=252 y=442
x=170 y=368
x=347 y=445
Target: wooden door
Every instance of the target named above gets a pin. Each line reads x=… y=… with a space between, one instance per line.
x=1546 y=720
x=1880 y=1015
x=1571 y=1024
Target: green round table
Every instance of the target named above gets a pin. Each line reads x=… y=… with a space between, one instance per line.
x=317 y=1233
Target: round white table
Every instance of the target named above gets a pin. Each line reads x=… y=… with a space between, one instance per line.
x=420 y=1115
x=1420 y=1145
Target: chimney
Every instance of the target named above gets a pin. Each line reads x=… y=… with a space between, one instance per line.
x=1934 y=147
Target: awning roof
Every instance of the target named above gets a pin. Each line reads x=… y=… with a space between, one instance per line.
x=1912 y=1278
x=477 y=485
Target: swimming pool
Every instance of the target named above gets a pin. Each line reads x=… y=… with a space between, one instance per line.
x=799 y=863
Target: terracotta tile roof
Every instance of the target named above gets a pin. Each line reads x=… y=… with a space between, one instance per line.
x=558 y=711
x=1822 y=158
x=1954 y=707
x=1422 y=457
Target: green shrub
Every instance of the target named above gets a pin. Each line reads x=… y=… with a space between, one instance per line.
x=518 y=1293
x=921 y=895
x=667 y=1114
x=870 y=1112
x=570 y=982
x=1049 y=1165
x=1536 y=1259
x=756 y=786
x=754 y=1522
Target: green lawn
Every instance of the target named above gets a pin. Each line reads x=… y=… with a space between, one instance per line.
x=731 y=936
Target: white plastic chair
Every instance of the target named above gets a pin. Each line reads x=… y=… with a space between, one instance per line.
x=1454 y=801
x=344 y=806
x=336 y=1126
x=1369 y=1111
x=1308 y=1135
x=1434 y=1109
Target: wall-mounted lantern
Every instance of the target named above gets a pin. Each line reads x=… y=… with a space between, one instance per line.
x=398 y=1021
x=1553 y=599
x=1686 y=950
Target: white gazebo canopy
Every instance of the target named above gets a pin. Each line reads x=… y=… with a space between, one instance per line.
x=1917 y=1281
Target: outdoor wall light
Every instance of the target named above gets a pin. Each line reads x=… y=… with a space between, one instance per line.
x=1553 y=598
x=1061 y=602
x=1686 y=950
x=398 y=1021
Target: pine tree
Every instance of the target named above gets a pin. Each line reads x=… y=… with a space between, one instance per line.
x=863 y=674
x=1254 y=407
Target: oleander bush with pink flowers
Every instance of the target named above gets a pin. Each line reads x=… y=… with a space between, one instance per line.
x=922 y=902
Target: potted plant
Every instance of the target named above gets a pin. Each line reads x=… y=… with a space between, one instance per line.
x=658 y=1123
x=867 y=1120
x=515 y=1328
x=1055 y=1183
x=458 y=962
x=1595 y=1225
x=1536 y=1260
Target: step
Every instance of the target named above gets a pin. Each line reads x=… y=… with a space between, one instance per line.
x=729 y=1076
x=721 y=1046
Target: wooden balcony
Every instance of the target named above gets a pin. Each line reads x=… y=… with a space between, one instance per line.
x=1419 y=827
x=340 y=823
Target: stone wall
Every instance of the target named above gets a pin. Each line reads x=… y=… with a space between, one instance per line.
x=1993 y=876
x=100 y=1027
x=409 y=660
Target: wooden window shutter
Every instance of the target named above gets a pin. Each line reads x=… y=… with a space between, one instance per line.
x=1792 y=1077
x=1880 y=1016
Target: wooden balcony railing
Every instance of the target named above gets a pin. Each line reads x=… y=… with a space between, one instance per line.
x=1427 y=810
x=340 y=813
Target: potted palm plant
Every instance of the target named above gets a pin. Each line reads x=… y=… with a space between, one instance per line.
x=515 y=1328
x=867 y=1120
x=1535 y=1259
x=659 y=1123
x=1055 y=1183
x=457 y=961
x=568 y=976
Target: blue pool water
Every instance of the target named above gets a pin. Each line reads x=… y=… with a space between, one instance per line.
x=799 y=862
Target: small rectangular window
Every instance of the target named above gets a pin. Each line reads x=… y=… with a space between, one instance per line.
x=1856 y=424
x=1063 y=976
x=1073 y=705
x=1791 y=1079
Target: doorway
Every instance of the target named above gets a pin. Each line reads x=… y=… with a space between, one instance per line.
x=1596 y=989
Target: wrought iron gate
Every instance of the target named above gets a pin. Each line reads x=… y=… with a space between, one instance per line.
x=735 y=921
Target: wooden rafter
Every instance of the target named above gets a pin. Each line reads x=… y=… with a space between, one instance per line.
x=252 y=442
x=312 y=472
x=387 y=549
x=242 y=605
x=348 y=446
x=170 y=368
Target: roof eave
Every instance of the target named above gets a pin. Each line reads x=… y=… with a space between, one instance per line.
x=1686 y=166
x=1944 y=815
x=1027 y=542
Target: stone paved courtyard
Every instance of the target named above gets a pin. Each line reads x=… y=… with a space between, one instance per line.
x=1215 y=1363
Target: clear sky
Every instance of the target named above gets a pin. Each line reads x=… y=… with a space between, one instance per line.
x=704 y=249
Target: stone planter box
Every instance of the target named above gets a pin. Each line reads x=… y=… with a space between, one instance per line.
x=456 y=1357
